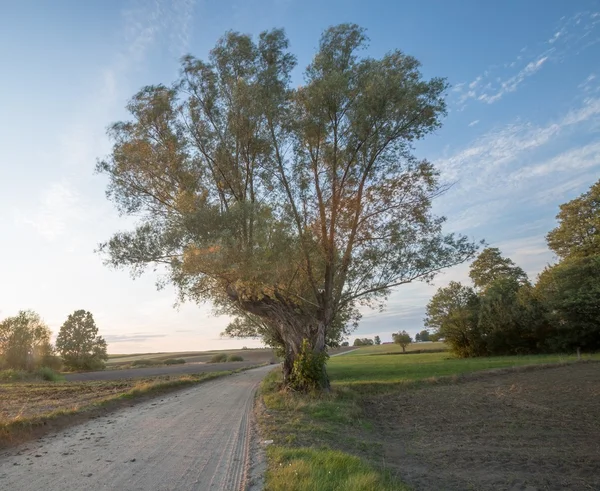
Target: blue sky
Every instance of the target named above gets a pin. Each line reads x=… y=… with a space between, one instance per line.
x=521 y=136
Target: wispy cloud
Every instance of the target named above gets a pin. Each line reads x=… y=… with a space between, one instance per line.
x=56 y=210
x=473 y=123
x=573 y=35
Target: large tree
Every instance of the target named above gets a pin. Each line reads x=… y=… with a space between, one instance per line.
x=286 y=207
x=79 y=344
x=490 y=266
x=578 y=231
x=24 y=341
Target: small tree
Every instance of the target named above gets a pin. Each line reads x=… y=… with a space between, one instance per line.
x=403 y=339
x=345 y=343
x=418 y=337
x=79 y=344
x=377 y=340
x=24 y=341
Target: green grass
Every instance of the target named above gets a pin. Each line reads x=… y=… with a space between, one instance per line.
x=309 y=469
x=396 y=348
x=356 y=369
x=317 y=433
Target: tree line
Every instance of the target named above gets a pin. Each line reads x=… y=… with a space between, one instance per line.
x=503 y=313
x=25 y=343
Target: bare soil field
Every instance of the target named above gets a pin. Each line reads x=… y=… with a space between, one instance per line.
x=187 y=369
x=527 y=430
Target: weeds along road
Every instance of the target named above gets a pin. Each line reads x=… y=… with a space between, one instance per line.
x=195 y=439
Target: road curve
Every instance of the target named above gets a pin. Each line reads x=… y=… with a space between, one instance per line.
x=195 y=439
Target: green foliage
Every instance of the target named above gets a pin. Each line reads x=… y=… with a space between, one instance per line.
x=424 y=335
x=490 y=266
x=377 y=340
x=174 y=361
x=272 y=200
x=14 y=375
x=235 y=358
x=46 y=373
x=578 y=232
x=345 y=343
x=53 y=362
x=24 y=341
x=570 y=292
x=79 y=344
x=452 y=313
x=308 y=372
x=145 y=362
x=363 y=342
x=218 y=358
x=403 y=339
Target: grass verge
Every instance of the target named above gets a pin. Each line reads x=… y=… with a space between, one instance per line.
x=29 y=410
x=318 y=433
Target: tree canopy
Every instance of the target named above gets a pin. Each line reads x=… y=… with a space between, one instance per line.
x=490 y=265
x=24 y=340
x=287 y=208
x=403 y=339
x=578 y=231
x=79 y=344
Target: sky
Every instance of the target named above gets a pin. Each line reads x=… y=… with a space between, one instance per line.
x=521 y=137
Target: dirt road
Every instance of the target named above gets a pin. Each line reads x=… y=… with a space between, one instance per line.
x=189 y=440
x=154 y=371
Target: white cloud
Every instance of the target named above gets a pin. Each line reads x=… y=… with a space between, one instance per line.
x=58 y=208
x=473 y=123
x=573 y=35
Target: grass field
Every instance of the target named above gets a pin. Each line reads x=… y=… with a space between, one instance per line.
x=25 y=406
x=121 y=360
x=312 y=434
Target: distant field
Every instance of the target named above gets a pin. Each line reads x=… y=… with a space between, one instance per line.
x=257 y=355
x=355 y=368
x=396 y=348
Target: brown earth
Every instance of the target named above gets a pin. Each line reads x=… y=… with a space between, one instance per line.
x=529 y=430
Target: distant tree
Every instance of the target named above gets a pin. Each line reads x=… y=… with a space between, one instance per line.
x=363 y=342
x=578 y=232
x=345 y=343
x=403 y=339
x=424 y=335
x=435 y=337
x=377 y=340
x=79 y=344
x=24 y=341
x=452 y=313
x=287 y=207
x=570 y=292
x=490 y=266
x=418 y=337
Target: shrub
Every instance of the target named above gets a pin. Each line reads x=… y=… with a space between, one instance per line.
x=46 y=373
x=219 y=358
x=174 y=361
x=234 y=358
x=52 y=361
x=145 y=363
x=308 y=372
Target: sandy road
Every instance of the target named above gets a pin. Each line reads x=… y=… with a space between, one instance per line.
x=195 y=439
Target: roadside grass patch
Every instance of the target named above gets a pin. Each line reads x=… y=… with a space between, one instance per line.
x=309 y=469
x=235 y=358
